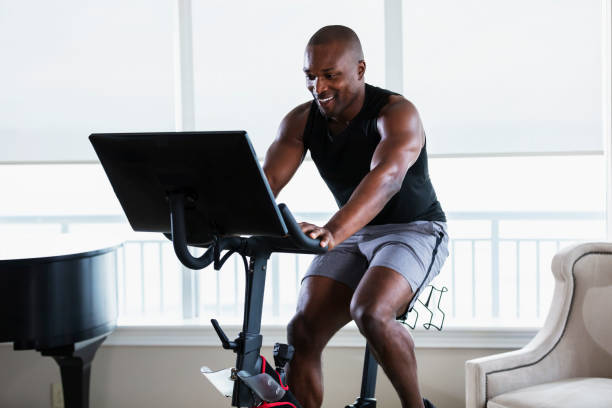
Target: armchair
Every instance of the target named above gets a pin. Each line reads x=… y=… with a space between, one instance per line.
x=569 y=362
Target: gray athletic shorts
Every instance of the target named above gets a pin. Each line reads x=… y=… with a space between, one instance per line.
x=416 y=250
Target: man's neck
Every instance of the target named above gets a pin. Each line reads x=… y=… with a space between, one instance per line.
x=353 y=109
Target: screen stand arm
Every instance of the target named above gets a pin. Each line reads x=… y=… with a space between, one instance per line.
x=179 y=234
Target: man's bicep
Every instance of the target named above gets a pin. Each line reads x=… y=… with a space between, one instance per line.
x=281 y=162
x=286 y=153
x=394 y=157
x=402 y=138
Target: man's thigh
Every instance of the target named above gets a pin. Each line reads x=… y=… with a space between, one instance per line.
x=384 y=290
x=406 y=260
x=344 y=264
x=325 y=304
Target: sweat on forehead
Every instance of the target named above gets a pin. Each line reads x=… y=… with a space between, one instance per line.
x=338 y=34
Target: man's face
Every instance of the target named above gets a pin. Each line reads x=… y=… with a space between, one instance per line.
x=333 y=77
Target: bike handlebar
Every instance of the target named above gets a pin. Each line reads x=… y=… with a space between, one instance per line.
x=295 y=242
x=302 y=241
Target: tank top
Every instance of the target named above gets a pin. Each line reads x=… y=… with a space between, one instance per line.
x=344 y=160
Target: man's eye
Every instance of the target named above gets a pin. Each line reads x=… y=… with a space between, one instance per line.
x=310 y=77
x=330 y=76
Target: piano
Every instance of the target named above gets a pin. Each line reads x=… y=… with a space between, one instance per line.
x=58 y=295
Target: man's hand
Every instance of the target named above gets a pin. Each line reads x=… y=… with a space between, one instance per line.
x=322 y=233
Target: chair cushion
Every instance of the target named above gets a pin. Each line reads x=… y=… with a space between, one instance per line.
x=573 y=392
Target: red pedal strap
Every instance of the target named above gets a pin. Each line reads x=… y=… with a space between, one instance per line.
x=263 y=370
x=276 y=404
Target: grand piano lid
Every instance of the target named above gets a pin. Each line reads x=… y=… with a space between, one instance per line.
x=46 y=247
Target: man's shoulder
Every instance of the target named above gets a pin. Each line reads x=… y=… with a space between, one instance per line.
x=397 y=105
x=294 y=122
x=399 y=117
x=300 y=112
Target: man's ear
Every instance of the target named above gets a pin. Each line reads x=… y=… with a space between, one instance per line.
x=361 y=67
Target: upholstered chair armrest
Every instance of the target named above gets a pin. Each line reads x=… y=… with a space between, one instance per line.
x=545 y=358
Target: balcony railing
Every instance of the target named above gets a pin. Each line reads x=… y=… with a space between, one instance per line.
x=490 y=274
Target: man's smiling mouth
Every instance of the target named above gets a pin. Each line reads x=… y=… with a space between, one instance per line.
x=325 y=100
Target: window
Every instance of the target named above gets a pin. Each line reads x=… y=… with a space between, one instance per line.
x=508 y=216
x=81 y=67
x=154 y=288
x=253 y=77
x=517 y=77
x=510 y=99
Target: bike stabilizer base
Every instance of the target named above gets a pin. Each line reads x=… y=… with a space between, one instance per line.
x=363 y=403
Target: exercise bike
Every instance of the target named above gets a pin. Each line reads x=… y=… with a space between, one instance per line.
x=207 y=190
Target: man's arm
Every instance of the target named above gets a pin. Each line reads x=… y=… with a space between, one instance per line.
x=402 y=138
x=286 y=153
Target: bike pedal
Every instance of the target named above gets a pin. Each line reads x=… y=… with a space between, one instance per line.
x=263 y=385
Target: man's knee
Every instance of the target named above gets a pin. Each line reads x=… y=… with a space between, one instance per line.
x=371 y=319
x=377 y=323
x=302 y=333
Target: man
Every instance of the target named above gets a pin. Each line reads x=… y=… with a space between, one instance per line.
x=388 y=238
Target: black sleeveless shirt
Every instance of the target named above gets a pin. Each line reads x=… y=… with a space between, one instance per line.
x=344 y=160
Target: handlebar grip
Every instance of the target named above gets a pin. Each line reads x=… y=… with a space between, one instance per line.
x=300 y=239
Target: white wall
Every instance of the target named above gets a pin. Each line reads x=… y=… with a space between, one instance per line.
x=169 y=377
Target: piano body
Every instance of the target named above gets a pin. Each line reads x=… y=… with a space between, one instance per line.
x=58 y=295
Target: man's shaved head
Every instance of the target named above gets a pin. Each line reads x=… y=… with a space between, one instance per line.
x=338 y=34
x=334 y=68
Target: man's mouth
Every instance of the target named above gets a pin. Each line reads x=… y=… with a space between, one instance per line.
x=324 y=101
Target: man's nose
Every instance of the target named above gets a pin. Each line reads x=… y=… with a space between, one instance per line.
x=320 y=85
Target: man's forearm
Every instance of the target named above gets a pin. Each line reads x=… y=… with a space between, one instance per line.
x=272 y=184
x=368 y=199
